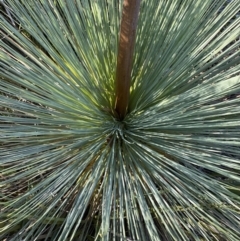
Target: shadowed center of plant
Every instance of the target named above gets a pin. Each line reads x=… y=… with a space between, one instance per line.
x=119 y=129
x=118 y=133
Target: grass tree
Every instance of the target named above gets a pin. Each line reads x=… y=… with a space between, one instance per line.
x=83 y=159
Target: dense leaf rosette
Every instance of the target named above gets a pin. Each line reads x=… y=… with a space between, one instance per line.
x=69 y=170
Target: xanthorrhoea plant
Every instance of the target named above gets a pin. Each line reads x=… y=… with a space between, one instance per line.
x=70 y=170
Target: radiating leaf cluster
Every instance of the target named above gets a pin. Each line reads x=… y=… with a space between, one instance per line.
x=70 y=171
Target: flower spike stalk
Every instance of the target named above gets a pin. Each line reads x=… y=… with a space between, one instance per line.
x=125 y=55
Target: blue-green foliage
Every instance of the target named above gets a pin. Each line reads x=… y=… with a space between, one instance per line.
x=70 y=171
